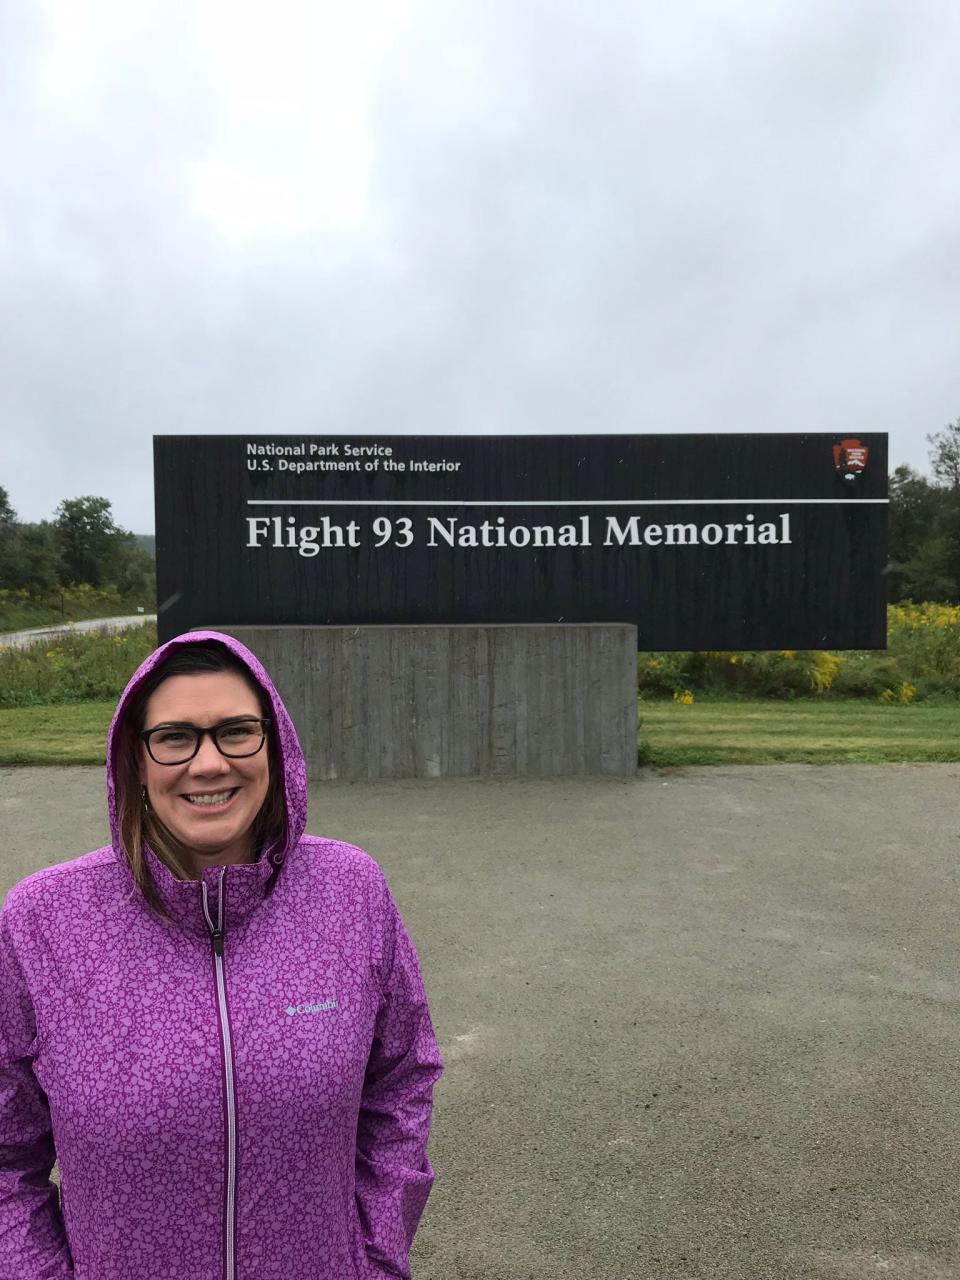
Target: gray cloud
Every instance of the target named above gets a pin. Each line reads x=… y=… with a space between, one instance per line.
x=622 y=217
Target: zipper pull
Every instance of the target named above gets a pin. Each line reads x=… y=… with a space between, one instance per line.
x=216 y=930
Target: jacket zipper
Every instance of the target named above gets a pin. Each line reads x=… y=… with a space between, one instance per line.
x=229 y=1094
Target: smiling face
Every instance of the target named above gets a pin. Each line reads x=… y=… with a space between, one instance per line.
x=208 y=804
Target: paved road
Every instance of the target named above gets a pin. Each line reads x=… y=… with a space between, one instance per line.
x=36 y=635
x=698 y=1024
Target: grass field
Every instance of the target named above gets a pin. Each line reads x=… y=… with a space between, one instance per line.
x=72 y=733
x=802 y=732
x=670 y=733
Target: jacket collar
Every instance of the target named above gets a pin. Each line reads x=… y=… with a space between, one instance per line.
x=244 y=887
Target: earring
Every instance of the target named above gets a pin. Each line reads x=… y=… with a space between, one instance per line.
x=143 y=797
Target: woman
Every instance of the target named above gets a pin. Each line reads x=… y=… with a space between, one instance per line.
x=216 y=1025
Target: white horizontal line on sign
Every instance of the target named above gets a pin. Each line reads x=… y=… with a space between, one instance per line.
x=559 y=502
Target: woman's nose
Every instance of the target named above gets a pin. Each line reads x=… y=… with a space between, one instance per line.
x=208 y=759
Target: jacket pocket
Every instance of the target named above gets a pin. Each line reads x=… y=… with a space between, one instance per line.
x=363 y=1267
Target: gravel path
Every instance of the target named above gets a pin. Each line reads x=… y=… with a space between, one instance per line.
x=36 y=635
x=704 y=1023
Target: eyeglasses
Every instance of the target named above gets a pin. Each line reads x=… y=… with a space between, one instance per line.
x=178 y=743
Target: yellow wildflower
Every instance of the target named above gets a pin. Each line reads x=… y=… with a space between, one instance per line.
x=823 y=668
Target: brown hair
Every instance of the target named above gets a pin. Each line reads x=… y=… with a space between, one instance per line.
x=137 y=824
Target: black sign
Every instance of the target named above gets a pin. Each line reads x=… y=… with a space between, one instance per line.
x=705 y=542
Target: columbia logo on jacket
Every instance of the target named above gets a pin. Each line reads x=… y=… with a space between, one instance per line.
x=311 y=1008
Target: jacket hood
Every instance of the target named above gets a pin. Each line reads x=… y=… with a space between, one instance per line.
x=289 y=757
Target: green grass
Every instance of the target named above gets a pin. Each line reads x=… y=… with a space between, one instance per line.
x=74 y=733
x=828 y=732
x=713 y=732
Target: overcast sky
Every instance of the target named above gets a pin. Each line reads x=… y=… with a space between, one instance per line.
x=451 y=216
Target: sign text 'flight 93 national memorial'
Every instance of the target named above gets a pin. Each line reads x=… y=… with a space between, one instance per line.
x=703 y=541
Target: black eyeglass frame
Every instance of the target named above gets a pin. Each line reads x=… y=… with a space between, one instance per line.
x=263 y=721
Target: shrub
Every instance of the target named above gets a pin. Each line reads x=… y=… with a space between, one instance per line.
x=85 y=666
x=925 y=638
x=922 y=658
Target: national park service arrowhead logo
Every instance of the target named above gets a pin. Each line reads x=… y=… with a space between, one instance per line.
x=850 y=460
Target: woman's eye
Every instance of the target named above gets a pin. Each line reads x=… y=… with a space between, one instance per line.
x=238 y=732
x=172 y=737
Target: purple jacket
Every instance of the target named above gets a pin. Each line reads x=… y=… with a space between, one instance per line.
x=253 y=1115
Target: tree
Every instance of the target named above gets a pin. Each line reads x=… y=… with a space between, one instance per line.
x=945 y=455
x=914 y=503
x=923 y=538
x=90 y=542
x=134 y=575
x=8 y=516
x=28 y=552
x=8 y=539
x=926 y=574
x=37 y=561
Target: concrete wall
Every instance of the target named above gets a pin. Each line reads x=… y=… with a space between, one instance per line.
x=425 y=702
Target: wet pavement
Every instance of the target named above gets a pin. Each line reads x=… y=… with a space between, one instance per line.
x=701 y=1023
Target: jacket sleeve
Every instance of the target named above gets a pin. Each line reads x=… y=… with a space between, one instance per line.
x=393 y=1174
x=33 y=1244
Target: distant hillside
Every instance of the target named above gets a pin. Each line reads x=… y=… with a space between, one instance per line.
x=147 y=542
